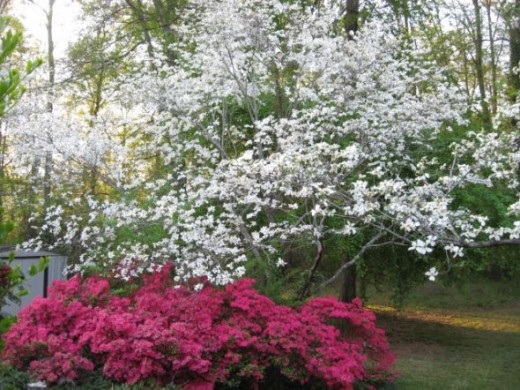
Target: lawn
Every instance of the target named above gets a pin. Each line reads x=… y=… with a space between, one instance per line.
x=448 y=338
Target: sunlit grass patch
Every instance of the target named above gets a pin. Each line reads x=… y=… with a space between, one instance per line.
x=459 y=345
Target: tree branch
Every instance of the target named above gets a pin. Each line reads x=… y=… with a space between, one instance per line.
x=366 y=247
x=317 y=261
x=490 y=243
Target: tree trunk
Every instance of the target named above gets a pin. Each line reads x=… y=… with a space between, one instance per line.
x=351 y=18
x=137 y=10
x=4 y=7
x=514 y=50
x=52 y=73
x=479 y=63
x=317 y=260
x=348 y=285
x=492 y=52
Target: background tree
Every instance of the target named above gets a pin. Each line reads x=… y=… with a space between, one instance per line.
x=11 y=90
x=215 y=133
x=266 y=139
x=511 y=14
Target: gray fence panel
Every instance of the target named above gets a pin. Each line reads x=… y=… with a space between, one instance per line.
x=35 y=284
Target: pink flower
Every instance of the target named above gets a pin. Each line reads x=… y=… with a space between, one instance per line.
x=193 y=338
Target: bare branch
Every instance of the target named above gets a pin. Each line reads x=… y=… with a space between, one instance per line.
x=366 y=247
x=490 y=243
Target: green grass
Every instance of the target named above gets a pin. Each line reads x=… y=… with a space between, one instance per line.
x=448 y=338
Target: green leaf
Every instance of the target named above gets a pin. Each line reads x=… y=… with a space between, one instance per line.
x=22 y=292
x=43 y=263
x=33 y=270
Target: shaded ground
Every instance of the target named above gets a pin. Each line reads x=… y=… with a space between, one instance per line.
x=454 y=345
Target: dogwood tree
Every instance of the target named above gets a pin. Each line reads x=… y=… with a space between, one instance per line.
x=273 y=128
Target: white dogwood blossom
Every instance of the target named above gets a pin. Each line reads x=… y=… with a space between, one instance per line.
x=432 y=274
x=269 y=126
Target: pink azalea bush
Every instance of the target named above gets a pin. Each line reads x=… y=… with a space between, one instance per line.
x=6 y=283
x=196 y=339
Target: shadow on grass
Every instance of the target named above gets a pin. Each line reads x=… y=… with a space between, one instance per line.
x=476 y=349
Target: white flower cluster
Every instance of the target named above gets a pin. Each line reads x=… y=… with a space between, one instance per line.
x=262 y=134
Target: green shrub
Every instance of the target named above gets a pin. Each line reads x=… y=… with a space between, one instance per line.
x=11 y=379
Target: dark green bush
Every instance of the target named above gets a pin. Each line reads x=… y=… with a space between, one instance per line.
x=11 y=379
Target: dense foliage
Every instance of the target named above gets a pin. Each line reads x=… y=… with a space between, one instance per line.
x=246 y=142
x=287 y=140
x=194 y=338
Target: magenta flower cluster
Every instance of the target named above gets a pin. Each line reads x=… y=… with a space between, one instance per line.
x=5 y=282
x=196 y=339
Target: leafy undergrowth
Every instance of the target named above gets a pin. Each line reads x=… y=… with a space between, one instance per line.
x=195 y=338
x=448 y=338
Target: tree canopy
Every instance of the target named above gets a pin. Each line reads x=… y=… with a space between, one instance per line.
x=281 y=139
